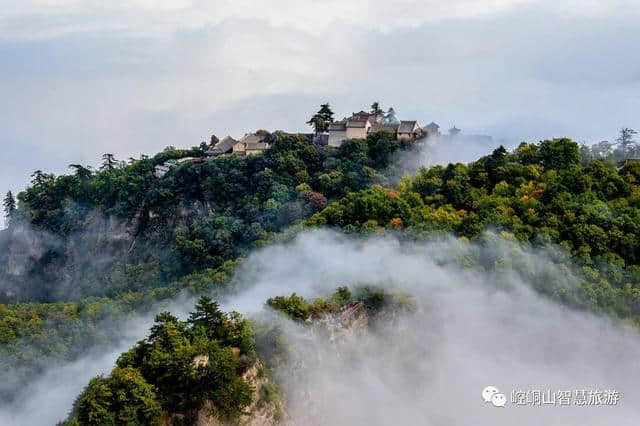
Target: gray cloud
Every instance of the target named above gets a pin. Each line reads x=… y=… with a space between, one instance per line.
x=79 y=80
x=471 y=330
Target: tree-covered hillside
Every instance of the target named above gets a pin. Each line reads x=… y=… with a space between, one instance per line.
x=541 y=193
x=89 y=248
x=118 y=229
x=214 y=365
x=85 y=249
x=169 y=375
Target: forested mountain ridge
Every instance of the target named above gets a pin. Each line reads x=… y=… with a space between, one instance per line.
x=121 y=229
x=121 y=233
x=538 y=194
x=88 y=248
x=85 y=249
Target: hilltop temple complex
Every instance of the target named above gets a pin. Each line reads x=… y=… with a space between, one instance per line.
x=362 y=123
x=358 y=126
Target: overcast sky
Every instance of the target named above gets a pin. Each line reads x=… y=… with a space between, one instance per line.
x=82 y=77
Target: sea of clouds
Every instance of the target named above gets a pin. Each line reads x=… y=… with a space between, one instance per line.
x=471 y=328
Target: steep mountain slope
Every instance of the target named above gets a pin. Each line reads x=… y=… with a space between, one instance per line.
x=117 y=241
x=207 y=370
x=87 y=250
x=123 y=229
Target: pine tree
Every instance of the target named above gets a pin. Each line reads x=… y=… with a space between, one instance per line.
x=9 y=205
x=625 y=140
x=39 y=178
x=375 y=108
x=109 y=162
x=207 y=314
x=326 y=113
x=318 y=123
x=81 y=171
x=321 y=119
x=159 y=328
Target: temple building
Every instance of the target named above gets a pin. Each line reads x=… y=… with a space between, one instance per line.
x=251 y=144
x=223 y=147
x=362 y=123
x=431 y=130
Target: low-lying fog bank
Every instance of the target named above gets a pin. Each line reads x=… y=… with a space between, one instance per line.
x=472 y=328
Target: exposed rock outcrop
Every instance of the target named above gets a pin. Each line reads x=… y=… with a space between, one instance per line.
x=266 y=409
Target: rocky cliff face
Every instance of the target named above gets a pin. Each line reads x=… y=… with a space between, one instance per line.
x=324 y=352
x=266 y=409
x=352 y=320
x=36 y=265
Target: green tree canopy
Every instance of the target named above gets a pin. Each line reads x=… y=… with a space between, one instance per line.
x=124 y=397
x=321 y=119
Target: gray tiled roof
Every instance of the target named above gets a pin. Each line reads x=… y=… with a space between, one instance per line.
x=226 y=140
x=337 y=126
x=376 y=127
x=223 y=146
x=407 y=126
x=252 y=138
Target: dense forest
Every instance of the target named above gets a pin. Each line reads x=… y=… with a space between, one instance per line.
x=186 y=370
x=539 y=194
x=86 y=249
x=159 y=376
x=157 y=230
